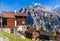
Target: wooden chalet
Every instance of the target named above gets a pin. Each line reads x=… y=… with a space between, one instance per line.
x=12 y=19
x=8 y=19
x=33 y=33
x=41 y=34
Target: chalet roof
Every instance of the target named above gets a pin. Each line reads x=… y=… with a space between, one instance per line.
x=46 y=33
x=6 y=14
x=20 y=14
x=41 y=32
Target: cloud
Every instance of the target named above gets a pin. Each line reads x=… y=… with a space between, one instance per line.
x=53 y=7
x=56 y=6
x=34 y=3
x=48 y=7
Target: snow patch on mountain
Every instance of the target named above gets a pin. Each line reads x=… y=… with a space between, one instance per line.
x=56 y=8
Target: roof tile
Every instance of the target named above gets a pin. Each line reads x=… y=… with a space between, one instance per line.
x=6 y=14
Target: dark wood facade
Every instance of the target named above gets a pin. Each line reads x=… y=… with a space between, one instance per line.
x=8 y=19
x=10 y=22
x=20 y=20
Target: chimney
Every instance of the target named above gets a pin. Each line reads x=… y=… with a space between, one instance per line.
x=14 y=11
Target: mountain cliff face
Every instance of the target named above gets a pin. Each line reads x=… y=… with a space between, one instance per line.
x=41 y=16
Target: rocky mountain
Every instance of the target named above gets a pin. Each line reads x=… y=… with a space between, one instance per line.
x=41 y=16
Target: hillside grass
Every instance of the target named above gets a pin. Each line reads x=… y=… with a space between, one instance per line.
x=12 y=37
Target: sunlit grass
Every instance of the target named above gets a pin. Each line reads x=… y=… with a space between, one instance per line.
x=12 y=37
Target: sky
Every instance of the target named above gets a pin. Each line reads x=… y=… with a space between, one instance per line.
x=10 y=5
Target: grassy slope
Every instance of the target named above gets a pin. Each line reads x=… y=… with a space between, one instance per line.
x=14 y=37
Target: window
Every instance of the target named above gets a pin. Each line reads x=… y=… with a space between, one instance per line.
x=19 y=22
x=4 y=22
x=23 y=22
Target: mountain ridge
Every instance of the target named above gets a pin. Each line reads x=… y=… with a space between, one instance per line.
x=42 y=16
